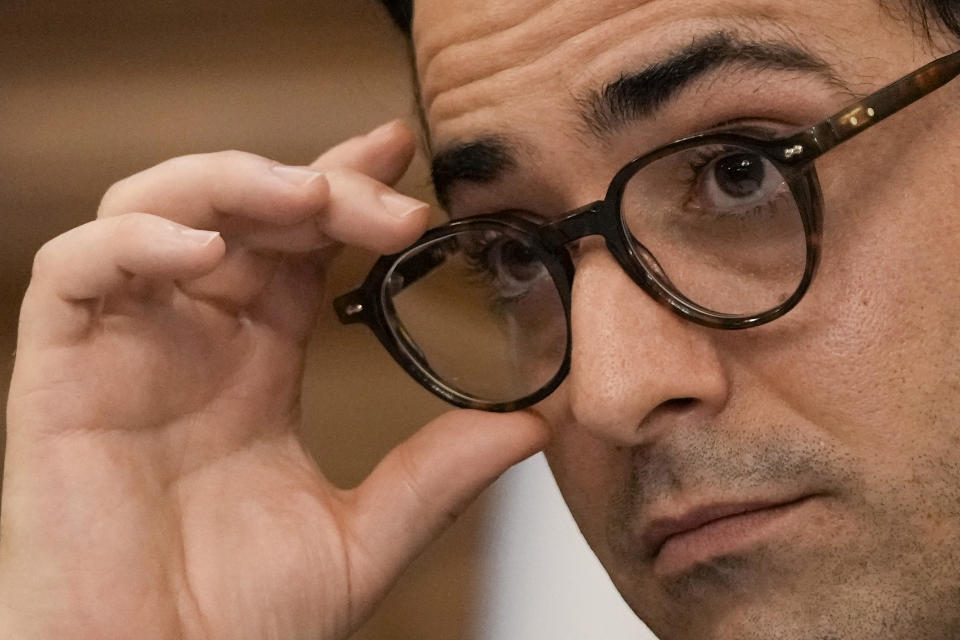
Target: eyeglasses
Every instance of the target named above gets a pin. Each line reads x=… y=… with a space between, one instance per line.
x=724 y=229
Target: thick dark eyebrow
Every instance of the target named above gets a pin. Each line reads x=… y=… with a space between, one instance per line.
x=629 y=98
x=640 y=95
x=482 y=160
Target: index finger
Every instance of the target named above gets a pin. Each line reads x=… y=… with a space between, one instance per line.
x=198 y=190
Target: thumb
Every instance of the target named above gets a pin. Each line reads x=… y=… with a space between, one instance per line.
x=424 y=484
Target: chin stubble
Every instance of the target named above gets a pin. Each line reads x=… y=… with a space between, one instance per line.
x=891 y=583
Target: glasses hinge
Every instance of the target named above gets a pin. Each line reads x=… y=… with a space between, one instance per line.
x=792 y=152
x=350 y=308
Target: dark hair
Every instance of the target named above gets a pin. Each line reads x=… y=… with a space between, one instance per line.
x=929 y=14
x=401 y=11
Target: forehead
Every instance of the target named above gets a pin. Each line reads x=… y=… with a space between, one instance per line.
x=480 y=63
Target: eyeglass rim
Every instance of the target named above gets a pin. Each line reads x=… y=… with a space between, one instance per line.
x=804 y=186
x=365 y=305
x=793 y=156
x=368 y=305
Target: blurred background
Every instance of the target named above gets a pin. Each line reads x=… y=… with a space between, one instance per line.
x=94 y=90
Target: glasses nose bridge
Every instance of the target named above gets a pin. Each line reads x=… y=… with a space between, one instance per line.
x=602 y=218
x=578 y=224
x=599 y=218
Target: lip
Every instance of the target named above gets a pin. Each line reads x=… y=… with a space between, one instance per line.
x=663 y=530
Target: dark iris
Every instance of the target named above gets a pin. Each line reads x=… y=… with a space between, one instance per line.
x=519 y=261
x=740 y=175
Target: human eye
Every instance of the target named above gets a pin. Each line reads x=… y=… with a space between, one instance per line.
x=732 y=181
x=711 y=199
x=508 y=266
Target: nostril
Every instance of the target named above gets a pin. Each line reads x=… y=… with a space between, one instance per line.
x=678 y=404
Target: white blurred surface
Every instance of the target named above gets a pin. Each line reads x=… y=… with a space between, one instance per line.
x=541 y=580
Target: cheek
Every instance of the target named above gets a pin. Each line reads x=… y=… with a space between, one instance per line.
x=871 y=354
x=590 y=474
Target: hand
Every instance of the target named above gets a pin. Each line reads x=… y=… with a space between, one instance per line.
x=155 y=484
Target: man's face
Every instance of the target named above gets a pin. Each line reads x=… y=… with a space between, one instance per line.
x=833 y=431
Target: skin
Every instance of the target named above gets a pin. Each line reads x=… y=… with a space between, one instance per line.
x=155 y=485
x=849 y=402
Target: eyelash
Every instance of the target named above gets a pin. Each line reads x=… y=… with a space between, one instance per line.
x=482 y=273
x=697 y=166
x=746 y=126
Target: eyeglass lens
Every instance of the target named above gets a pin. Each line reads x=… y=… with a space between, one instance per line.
x=484 y=318
x=480 y=311
x=723 y=226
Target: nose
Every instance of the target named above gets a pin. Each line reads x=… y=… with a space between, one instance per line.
x=633 y=358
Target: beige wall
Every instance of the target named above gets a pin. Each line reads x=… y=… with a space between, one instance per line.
x=94 y=90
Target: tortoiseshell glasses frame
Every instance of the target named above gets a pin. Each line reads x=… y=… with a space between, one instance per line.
x=793 y=156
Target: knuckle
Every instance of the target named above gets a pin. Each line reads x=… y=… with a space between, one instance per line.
x=114 y=195
x=129 y=226
x=229 y=156
x=135 y=235
x=336 y=173
x=351 y=178
x=346 y=183
x=205 y=162
x=122 y=195
x=219 y=163
x=187 y=164
x=233 y=156
x=47 y=258
x=302 y=197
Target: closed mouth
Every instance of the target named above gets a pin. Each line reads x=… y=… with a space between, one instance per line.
x=662 y=530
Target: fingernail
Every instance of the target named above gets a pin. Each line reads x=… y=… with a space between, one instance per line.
x=197 y=236
x=401 y=206
x=382 y=130
x=299 y=176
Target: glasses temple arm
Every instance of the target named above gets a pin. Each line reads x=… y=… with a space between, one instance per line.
x=865 y=113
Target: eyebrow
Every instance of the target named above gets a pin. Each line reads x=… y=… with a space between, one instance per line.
x=479 y=161
x=629 y=98
x=640 y=95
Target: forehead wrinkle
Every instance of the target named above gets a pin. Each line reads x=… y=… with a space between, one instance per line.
x=473 y=94
x=435 y=41
x=516 y=49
